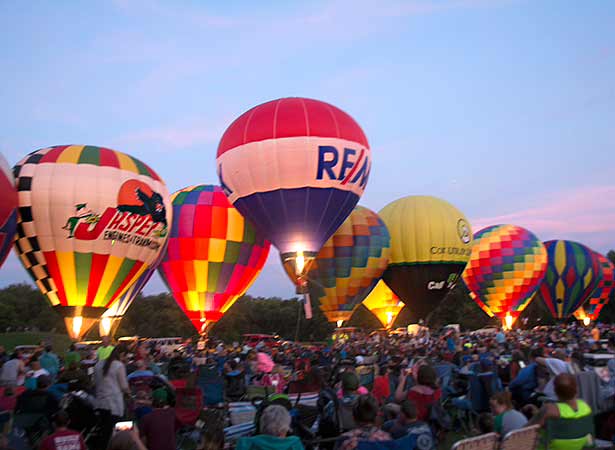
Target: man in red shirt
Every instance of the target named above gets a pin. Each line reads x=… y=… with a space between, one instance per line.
x=63 y=438
x=158 y=428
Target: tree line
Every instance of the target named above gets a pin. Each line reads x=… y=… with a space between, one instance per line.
x=24 y=308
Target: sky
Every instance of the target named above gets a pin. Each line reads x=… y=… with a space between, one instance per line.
x=505 y=108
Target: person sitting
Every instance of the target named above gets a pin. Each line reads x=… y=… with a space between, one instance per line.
x=274 y=425
x=506 y=418
x=158 y=428
x=525 y=382
x=8 y=400
x=126 y=440
x=141 y=370
x=63 y=438
x=568 y=406
x=75 y=377
x=424 y=394
x=407 y=423
x=365 y=413
x=382 y=386
x=38 y=401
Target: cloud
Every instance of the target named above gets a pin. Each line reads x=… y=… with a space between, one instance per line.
x=178 y=136
x=586 y=214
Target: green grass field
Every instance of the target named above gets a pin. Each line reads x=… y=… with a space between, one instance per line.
x=60 y=342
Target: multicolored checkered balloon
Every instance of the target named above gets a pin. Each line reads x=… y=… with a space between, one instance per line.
x=573 y=273
x=350 y=264
x=505 y=269
x=213 y=254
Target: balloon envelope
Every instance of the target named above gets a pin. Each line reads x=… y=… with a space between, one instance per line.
x=384 y=304
x=349 y=264
x=431 y=242
x=91 y=221
x=213 y=255
x=573 y=272
x=8 y=209
x=506 y=267
x=605 y=289
x=295 y=168
x=120 y=307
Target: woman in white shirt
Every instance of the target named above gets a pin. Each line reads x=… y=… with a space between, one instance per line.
x=111 y=385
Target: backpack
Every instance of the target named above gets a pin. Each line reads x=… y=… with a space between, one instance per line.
x=335 y=415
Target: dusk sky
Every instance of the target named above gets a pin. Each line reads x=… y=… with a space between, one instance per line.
x=504 y=108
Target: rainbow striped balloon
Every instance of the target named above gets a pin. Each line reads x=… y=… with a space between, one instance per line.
x=350 y=264
x=91 y=220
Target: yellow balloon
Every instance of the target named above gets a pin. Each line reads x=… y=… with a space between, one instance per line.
x=384 y=304
x=431 y=242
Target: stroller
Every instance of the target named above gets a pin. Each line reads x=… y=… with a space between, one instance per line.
x=79 y=406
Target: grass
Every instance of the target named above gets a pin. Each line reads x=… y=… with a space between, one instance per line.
x=60 y=342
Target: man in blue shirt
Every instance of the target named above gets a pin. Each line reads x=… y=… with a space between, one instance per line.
x=526 y=381
x=50 y=362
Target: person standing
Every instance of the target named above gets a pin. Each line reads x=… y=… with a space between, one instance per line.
x=12 y=370
x=72 y=356
x=111 y=385
x=104 y=351
x=50 y=362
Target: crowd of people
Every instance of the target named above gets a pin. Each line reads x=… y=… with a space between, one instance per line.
x=425 y=389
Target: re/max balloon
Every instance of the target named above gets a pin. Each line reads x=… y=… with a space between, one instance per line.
x=506 y=267
x=295 y=168
x=573 y=272
x=213 y=255
x=8 y=209
x=349 y=264
x=431 y=242
x=91 y=221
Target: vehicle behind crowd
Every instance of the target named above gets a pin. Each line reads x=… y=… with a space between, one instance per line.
x=425 y=390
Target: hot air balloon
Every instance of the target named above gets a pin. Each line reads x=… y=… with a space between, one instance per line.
x=91 y=221
x=213 y=255
x=111 y=319
x=8 y=209
x=384 y=304
x=604 y=291
x=573 y=272
x=295 y=168
x=431 y=241
x=582 y=316
x=506 y=267
x=349 y=264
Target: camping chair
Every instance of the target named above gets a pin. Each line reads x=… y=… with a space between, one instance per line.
x=235 y=388
x=483 y=442
x=254 y=392
x=568 y=429
x=188 y=405
x=404 y=443
x=524 y=438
